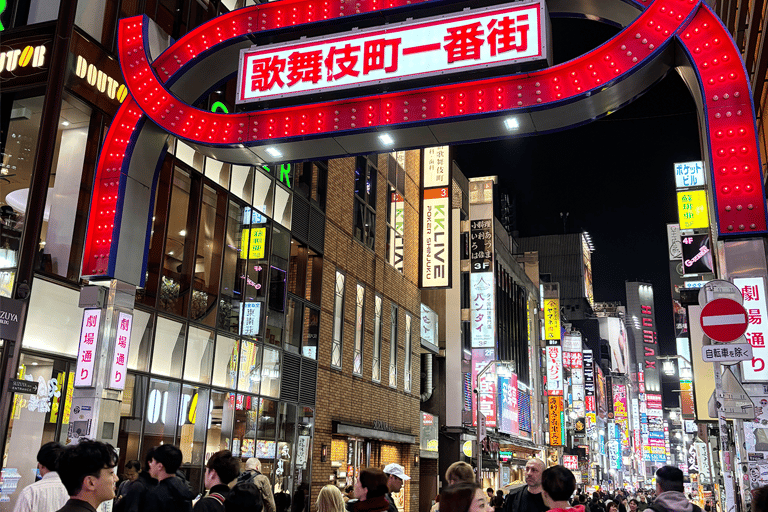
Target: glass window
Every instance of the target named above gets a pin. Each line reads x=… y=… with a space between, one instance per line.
x=283 y=207
x=217 y=171
x=270 y=373
x=242 y=182
x=311 y=331
x=42 y=10
x=365 y=201
x=395 y=208
x=90 y=17
x=132 y=411
x=225 y=362
x=199 y=355
x=249 y=378
x=232 y=282
x=220 y=418
x=303 y=459
x=245 y=426
x=189 y=156
x=314 y=278
x=174 y=285
x=162 y=416
x=169 y=348
x=297 y=269
x=263 y=193
x=393 y=347
x=208 y=260
x=141 y=340
x=277 y=288
x=193 y=427
x=267 y=417
x=376 y=372
x=407 y=355
x=311 y=181
x=18 y=160
x=357 y=367
x=338 y=321
x=275 y=328
x=53 y=305
x=286 y=437
x=293 y=331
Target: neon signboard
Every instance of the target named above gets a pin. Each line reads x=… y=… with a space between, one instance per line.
x=414 y=49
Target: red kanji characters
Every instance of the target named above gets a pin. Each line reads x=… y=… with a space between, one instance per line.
x=344 y=59
x=120 y=359
x=124 y=324
x=266 y=73
x=375 y=55
x=91 y=321
x=305 y=67
x=755 y=317
x=88 y=339
x=750 y=293
x=122 y=341
x=118 y=376
x=83 y=373
x=756 y=339
x=464 y=42
x=508 y=35
x=87 y=356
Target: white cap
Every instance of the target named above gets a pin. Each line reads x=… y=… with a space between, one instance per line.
x=397 y=470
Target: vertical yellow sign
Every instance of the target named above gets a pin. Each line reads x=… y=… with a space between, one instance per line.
x=692 y=209
x=244 y=238
x=258 y=243
x=552 y=319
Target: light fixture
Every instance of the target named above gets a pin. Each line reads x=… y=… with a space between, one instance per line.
x=511 y=123
x=323 y=453
x=273 y=152
x=668 y=367
x=65 y=123
x=386 y=139
x=672 y=415
x=183 y=232
x=416 y=460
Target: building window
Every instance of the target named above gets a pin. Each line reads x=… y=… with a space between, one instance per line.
x=338 y=321
x=357 y=369
x=365 y=201
x=393 y=348
x=395 y=208
x=376 y=370
x=407 y=362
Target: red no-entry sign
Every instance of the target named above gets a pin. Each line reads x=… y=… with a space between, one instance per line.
x=724 y=320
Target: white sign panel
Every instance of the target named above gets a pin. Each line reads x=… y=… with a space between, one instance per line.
x=120 y=357
x=454 y=43
x=86 y=351
x=572 y=342
x=554 y=370
x=436 y=206
x=436 y=167
x=483 y=310
x=690 y=174
x=673 y=242
x=250 y=318
x=753 y=291
x=726 y=353
x=428 y=325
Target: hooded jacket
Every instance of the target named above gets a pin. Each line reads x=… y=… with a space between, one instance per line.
x=673 y=501
x=171 y=495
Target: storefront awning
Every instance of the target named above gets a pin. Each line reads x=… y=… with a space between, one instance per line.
x=372 y=433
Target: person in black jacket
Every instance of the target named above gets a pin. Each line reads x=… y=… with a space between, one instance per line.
x=528 y=497
x=220 y=470
x=171 y=493
x=135 y=496
x=87 y=473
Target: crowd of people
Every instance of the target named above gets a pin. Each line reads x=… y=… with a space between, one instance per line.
x=82 y=477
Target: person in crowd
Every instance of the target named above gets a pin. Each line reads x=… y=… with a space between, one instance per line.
x=329 y=500
x=87 y=472
x=760 y=499
x=583 y=502
x=621 y=499
x=528 y=497
x=491 y=495
x=370 y=491
x=299 y=498
x=459 y=472
x=557 y=486
x=669 y=492
x=498 y=501
x=612 y=506
x=253 y=471
x=633 y=505
x=463 y=497
x=596 y=504
x=47 y=494
x=395 y=478
x=349 y=493
x=171 y=494
x=221 y=469
x=132 y=470
x=136 y=493
x=642 y=501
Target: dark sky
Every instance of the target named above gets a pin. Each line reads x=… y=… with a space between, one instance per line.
x=614 y=177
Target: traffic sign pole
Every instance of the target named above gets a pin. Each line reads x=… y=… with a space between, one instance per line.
x=727 y=458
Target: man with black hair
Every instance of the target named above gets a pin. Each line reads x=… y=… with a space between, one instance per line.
x=669 y=492
x=48 y=494
x=171 y=493
x=87 y=472
x=220 y=470
x=557 y=486
x=135 y=498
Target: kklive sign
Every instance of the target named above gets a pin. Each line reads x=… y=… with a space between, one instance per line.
x=495 y=36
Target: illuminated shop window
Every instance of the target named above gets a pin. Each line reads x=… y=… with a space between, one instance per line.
x=169 y=348
x=177 y=261
x=365 y=201
x=338 y=321
x=393 y=347
x=226 y=357
x=376 y=360
x=207 y=265
x=357 y=367
x=395 y=208
x=249 y=376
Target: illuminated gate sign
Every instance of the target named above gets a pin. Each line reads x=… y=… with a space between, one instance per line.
x=447 y=44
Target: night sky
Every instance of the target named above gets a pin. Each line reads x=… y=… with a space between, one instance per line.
x=614 y=177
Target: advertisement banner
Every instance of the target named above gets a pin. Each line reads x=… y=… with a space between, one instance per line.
x=555 y=426
x=483 y=309
x=571 y=462
x=120 y=354
x=692 y=209
x=612 y=329
x=524 y=412
x=554 y=370
x=486 y=386
x=572 y=342
x=686 y=398
x=429 y=432
x=756 y=431
x=697 y=254
x=673 y=241
x=87 y=349
x=436 y=169
x=397 y=220
x=481 y=245
x=435 y=213
x=621 y=412
x=753 y=291
x=552 y=319
x=690 y=174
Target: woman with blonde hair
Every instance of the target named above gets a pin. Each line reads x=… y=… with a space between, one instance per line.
x=330 y=500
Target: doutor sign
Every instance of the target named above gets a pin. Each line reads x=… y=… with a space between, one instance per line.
x=724 y=320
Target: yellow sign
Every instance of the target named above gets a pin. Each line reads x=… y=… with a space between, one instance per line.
x=552 y=319
x=258 y=243
x=692 y=209
x=467 y=448
x=244 y=244
x=555 y=427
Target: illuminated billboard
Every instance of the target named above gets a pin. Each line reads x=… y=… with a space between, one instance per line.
x=612 y=329
x=415 y=49
x=554 y=359
x=753 y=291
x=555 y=410
x=552 y=319
x=690 y=174
x=692 y=209
x=435 y=260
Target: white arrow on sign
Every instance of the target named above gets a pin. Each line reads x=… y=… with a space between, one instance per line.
x=726 y=353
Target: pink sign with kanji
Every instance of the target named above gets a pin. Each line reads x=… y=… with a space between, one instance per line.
x=480 y=38
x=753 y=291
x=120 y=356
x=86 y=351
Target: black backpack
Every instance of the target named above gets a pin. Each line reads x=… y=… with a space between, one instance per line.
x=245 y=495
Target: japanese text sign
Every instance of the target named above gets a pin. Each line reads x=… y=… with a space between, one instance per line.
x=555 y=423
x=437 y=166
x=480 y=245
x=552 y=319
x=571 y=462
x=692 y=209
x=554 y=370
x=486 y=386
x=120 y=355
x=87 y=350
x=481 y=38
x=435 y=214
x=726 y=353
x=753 y=291
x=250 y=318
x=482 y=310
x=690 y=174
x=253 y=243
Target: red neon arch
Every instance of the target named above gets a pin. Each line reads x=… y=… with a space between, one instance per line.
x=728 y=122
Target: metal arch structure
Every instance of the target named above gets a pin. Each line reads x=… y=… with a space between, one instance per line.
x=658 y=35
